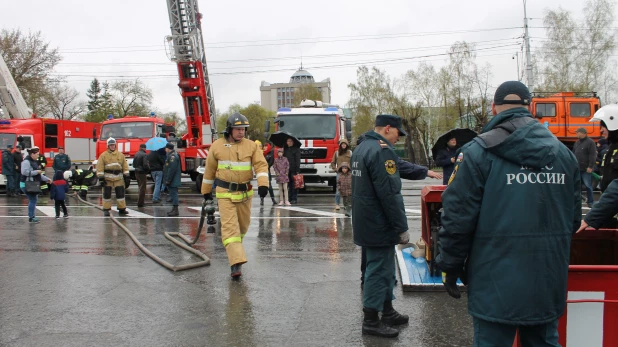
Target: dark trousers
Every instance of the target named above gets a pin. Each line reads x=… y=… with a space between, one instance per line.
x=141 y=185
x=379 y=277
x=57 y=205
x=173 y=195
x=270 y=186
x=292 y=192
x=587 y=182
x=492 y=334
x=10 y=184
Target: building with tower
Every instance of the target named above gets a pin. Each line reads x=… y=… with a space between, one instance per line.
x=276 y=95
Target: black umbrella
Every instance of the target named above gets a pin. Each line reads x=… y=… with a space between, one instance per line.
x=279 y=139
x=463 y=136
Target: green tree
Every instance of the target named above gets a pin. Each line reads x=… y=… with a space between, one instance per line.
x=372 y=94
x=306 y=91
x=31 y=61
x=94 y=96
x=131 y=98
x=179 y=122
x=256 y=114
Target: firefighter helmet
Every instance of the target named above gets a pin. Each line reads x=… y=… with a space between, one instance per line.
x=68 y=174
x=236 y=120
x=111 y=141
x=607 y=114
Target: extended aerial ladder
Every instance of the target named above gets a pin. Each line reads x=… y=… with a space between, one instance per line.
x=12 y=103
x=186 y=47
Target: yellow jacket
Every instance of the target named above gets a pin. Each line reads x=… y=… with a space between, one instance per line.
x=114 y=163
x=234 y=162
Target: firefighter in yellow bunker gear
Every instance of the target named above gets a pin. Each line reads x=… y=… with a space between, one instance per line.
x=112 y=167
x=231 y=162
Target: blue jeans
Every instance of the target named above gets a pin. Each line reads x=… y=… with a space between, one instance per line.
x=157 y=176
x=32 y=200
x=337 y=195
x=488 y=334
x=173 y=194
x=587 y=181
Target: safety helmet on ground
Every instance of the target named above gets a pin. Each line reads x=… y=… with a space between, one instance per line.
x=68 y=174
x=607 y=114
x=111 y=141
x=236 y=120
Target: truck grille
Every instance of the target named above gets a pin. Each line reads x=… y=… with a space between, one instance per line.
x=313 y=153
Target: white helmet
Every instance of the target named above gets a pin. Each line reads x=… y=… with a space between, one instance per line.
x=111 y=141
x=68 y=174
x=608 y=114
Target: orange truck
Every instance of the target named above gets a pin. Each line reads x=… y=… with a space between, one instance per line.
x=565 y=112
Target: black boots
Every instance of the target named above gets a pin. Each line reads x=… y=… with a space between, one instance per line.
x=373 y=326
x=236 y=270
x=274 y=201
x=392 y=317
x=173 y=212
x=123 y=211
x=106 y=213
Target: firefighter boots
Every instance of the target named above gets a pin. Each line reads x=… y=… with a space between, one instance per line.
x=173 y=212
x=123 y=211
x=373 y=326
x=236 y=270
x=261 y=201
x=106 y=213
x=392 y=317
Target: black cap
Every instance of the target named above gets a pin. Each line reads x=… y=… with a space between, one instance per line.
x=18 y=146
x=383 y=120
x=512 y=87
x=143 y=145
x=169 y=146
x=9 y=146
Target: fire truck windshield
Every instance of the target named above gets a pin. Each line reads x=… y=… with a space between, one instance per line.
x=129 y=130
x=7 y=139
x=309 y=126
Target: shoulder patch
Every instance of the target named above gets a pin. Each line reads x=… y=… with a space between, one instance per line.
x=452 y=178
x=383 y=144
x=391 y=167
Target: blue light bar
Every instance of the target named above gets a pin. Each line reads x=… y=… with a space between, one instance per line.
x=5 y=122
x=284 y=109
x=152 y=114
x=110 y=116
x=331 y=109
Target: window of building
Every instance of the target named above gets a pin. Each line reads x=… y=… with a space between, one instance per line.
x=580 y=110
x=546 y=110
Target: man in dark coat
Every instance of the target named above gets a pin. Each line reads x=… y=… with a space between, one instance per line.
x=62 y=162
x=156 y=161
x=8 y=170
x=586 y=153
x=171 y=172
x=509 y=212
x=141 y=171
x=608 y=116
x=446 y=159
x=602 y=213
x=17 y=158
x=293 y=154
x=379 y=221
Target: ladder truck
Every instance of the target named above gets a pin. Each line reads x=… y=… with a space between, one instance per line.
x=185 y=47
x=12 y=103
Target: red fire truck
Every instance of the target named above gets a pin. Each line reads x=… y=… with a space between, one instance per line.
x=48 y=135
x=319 y=127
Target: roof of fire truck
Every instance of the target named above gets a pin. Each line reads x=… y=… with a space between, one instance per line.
x=311 y=107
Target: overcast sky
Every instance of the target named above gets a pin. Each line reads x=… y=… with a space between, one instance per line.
x=115 y=39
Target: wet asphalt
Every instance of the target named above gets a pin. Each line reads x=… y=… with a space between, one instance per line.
x=82 y=282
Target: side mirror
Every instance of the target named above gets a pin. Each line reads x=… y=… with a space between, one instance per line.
x=539 y=115
x=281 y=124
x=267 y=126
x=348 y=125
x=20 y=138
x=348 y=135
x=94 y=135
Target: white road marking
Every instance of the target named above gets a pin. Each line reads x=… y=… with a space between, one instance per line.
x=133 y=214
x=49 y=211
x=413 y=211
x=316 y=212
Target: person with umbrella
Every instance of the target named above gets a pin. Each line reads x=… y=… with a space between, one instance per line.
x=156 y=161
x=141 y=171
x=446 y=159
x=292 y=152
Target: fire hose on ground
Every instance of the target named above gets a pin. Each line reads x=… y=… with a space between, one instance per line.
x=207 y=212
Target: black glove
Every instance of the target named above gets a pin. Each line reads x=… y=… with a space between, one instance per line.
x=449 y=279
x=262 y=191
x=208 y=196
x=102 y=182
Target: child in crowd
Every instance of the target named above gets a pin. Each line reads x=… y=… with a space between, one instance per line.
x=57 y=192
x=345 y=186
x=282 y=168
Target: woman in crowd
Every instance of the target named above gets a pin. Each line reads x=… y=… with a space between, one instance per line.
x=30 y=171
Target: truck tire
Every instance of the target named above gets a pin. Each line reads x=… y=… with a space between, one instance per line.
x=198 y=182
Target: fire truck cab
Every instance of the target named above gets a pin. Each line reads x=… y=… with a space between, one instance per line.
x=563 y=113
x=319 y=127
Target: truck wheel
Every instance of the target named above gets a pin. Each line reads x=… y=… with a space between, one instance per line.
x=198 y=182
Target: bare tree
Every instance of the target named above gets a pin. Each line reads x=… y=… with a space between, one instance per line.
x=62 y=102
x=306 y=91
x=481 y=103
x=372 y=94
x=30 y=60
x=132 y=98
